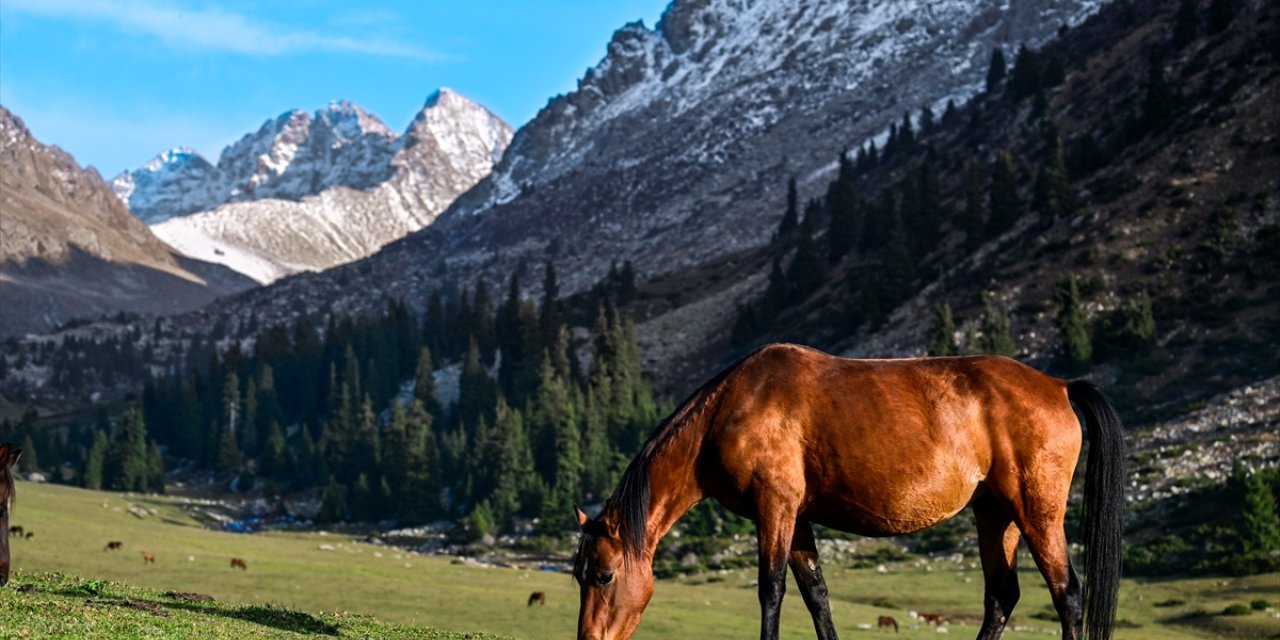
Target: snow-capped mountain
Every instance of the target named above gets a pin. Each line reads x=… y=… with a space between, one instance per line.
x=69 y=249
x=677 y=146
x=675 y=149
x=307 y=192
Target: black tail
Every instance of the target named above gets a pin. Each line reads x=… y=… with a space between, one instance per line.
x=1104 y=508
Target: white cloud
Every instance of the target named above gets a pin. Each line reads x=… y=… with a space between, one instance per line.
x=212 y=29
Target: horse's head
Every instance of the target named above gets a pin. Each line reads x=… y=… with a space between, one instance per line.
x=616 y=581
x=8 y=460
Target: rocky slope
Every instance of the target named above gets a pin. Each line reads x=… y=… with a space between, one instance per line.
x=69 y=249
x=307 y=192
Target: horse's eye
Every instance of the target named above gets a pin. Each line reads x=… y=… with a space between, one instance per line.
x=603 y=578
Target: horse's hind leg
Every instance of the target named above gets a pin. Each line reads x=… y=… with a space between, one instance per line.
x=775 y=528
x=998 y=547
x=808 y=572
x=1048 y=544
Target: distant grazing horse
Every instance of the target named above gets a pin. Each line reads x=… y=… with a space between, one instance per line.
x=790 y=436
x=886 y=621
x=239 y=562
x=15 y=530
x=148 y=557
x=8 y=460
x=114 y=545
x=931 y=618
x=538 y=597
x=30 y=535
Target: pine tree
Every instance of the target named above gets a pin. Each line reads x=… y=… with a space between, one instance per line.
x=125 y=467
x=775 y=295
x=842 y=216
x=942 y=331
x=366 y=450
x=425 y=482
x=949 y=113
x=249 y=423
x=549 y=311
x=791 y=217
x=1003 y=199
x=1073 y=329
x=997 y=334
x=332 y=505
x=95 y=461
x=926 y=120
x=155 y=468
x=228 y=452
x=361 y=504
x=807 y=269
x=996 y=71
x=29 y=462
x=1052 y=195
x=1025 y=77
x=1260 y=517
x=272 y=460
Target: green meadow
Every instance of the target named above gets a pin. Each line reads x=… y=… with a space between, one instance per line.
x=293 y=586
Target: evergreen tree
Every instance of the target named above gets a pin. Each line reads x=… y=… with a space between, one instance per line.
x=366 y=452
x=842 y=216
x=942 y=331
x=1073 y=329
x=906 y=135
x=228 y=452
x=1054 y=73
x=249 y=428
x=997 y=333
x=29 y=462
x=514 y=465
x=1052 y=195
x=231 y=408
x=424 y=383
x=926 y=120
x=549 y=311
x=422 y=493
x=272 y=460
x=125 y=468
x=1260 y=518
x=791 y=217
x=996 y=71
x=807 y=269
x=95 y=461
x=1003 y=199
x=775 y=295
x=155 y=468
x=361 y=504
x=332 y=505
x=949 y=113
x=1025 y=78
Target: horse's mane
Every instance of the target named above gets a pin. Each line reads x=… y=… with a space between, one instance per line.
x=7 y=487
x=631 y=497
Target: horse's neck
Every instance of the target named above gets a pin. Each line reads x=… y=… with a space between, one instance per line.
x=673 y=484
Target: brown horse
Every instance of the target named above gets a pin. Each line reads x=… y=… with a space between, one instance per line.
x=790 y=436
x=8 y=460
x=934 y=619
x=537 y=597
x=148 y=557
x=114 y=545
x=884 y=622
x=239 y=562
x=16 y=530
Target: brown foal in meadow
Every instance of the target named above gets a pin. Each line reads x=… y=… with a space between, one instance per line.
x=790 y=436
x=8 y=461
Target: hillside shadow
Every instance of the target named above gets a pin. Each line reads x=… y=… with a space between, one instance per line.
x=265 y=615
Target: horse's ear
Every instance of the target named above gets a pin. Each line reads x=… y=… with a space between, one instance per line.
x=583 y=519
x=13 y=457
x=609 y=518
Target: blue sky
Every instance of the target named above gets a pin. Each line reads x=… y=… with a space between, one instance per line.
x=116 y=81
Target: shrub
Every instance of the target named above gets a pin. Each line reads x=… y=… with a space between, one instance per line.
x=1237 y=610
x=1171 y=602
x=1259 y=604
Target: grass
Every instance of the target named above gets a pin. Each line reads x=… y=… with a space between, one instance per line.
x=292 y=587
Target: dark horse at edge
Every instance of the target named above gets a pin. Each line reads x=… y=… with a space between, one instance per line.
x=8 y=460
x=790 y=436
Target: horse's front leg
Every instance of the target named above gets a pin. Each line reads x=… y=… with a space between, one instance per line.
x=808 y=572
x=774 y=529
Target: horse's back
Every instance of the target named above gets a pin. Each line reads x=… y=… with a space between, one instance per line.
x=885 y=446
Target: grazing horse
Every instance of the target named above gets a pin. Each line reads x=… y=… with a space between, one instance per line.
x=30 y=535
x=114 y=545
x=931 y=618
x=148 y=557
x=8 y=460
x=538 y=597
x=239 y=562
x=886 y=621
x=16 y=530
x=790 y=436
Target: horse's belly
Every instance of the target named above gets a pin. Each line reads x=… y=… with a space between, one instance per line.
x=891 y=505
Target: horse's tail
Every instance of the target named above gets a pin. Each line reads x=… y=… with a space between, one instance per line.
x=1104 y=508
